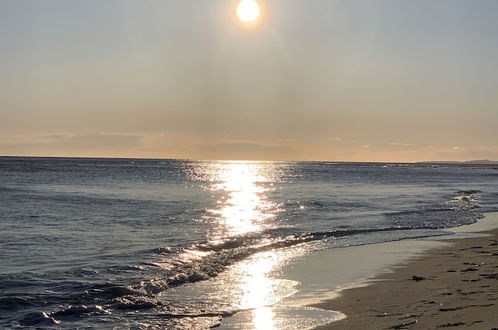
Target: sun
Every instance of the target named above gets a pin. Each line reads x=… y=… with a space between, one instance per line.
x=248 y=11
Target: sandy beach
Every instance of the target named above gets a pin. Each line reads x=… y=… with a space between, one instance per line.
x=449 y=287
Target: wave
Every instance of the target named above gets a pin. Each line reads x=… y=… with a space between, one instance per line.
x=213 y=259
x=95 y=299
x=38 y=319
x=463 y=208
x=13 y=303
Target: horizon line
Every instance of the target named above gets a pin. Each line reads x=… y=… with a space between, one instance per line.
x=487 y=161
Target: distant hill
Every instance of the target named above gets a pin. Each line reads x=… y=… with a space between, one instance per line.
x=470 y=162
x=481 y=162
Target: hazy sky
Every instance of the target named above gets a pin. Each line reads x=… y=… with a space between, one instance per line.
x=362 y=80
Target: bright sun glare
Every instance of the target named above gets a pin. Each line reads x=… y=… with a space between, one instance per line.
x=248 y=11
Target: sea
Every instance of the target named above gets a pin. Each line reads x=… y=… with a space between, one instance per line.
x=183 y=244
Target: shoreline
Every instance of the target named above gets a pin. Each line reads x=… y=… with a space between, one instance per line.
x=328 y=280
x=443 y=287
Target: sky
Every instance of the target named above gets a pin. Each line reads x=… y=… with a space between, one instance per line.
x=338 y=80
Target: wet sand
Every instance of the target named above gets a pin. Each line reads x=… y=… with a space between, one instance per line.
x=451 y=287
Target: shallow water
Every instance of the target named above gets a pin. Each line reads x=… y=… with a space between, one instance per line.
x=152 y=243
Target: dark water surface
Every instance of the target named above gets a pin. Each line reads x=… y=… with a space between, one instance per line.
x=113 y=243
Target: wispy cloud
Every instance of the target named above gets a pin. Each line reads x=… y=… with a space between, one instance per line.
x=69 y=144
x=398 y=144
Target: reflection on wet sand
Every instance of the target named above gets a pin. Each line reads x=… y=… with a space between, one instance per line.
x=264 y=318
x=258 y=290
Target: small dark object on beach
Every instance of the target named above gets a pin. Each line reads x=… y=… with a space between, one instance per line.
x=449 y=325
x=470 y=269
x=417 y=278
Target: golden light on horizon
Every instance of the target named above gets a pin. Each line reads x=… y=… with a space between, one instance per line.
x=248 y=11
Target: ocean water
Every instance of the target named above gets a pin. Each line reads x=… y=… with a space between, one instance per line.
x=144 y=244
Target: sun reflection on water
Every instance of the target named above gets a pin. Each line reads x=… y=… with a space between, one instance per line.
x=244 y=206
x=245 y=210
